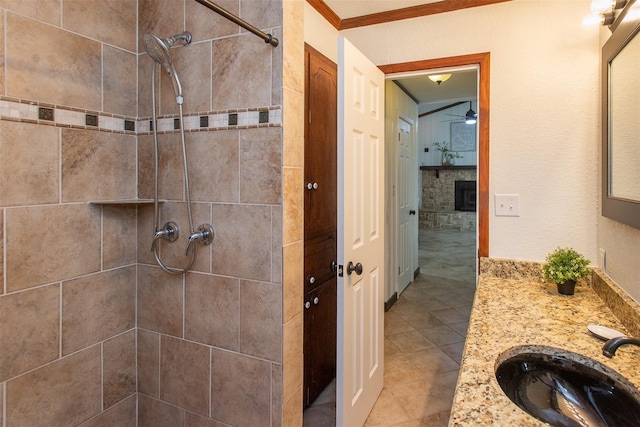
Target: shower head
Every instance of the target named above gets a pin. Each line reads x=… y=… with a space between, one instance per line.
x=158 y=50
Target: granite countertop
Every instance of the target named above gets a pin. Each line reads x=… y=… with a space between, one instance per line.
x=514 y=312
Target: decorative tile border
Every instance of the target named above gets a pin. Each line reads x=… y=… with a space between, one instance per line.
x=27 y=111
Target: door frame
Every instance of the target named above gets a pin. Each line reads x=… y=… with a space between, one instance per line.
x=483 y=61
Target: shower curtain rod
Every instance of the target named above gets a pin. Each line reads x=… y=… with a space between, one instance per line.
x=268 y=38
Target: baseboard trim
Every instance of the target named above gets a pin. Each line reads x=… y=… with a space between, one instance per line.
x=392 y=300
x=416 y=273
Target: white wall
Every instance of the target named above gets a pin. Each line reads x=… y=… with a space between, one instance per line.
x=436 y=127
x=320 y=34
x=544 y=119
x=544 y=111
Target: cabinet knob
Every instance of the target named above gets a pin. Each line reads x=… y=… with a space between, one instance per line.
x=312 y=279
x=307 y=304
x=312 y=185
x=316 y=300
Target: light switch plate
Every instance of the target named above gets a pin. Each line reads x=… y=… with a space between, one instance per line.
x=507 y=204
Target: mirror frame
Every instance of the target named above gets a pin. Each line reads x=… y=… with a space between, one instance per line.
x=622 y=210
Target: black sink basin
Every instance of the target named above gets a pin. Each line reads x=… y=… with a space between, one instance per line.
x=566 y=389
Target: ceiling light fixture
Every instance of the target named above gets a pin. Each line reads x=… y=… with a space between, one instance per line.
x=471 y=117
x=439 y=78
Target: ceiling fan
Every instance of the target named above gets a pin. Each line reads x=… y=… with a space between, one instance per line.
x=470 y=118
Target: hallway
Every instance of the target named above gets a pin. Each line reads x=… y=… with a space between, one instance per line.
x=424 y=338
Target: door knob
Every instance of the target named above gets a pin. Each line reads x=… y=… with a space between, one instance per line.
x=412 y=212
x=351 y=268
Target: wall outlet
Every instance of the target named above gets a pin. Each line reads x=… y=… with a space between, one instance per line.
x=507 y=204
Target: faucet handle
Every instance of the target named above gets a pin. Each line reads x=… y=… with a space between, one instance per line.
x=204 y=235
x=169 y=231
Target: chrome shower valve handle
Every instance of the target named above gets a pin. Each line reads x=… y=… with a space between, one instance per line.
x=169 y=231
x=204 y=235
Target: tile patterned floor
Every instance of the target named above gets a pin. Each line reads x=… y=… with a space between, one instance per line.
x=424 y=338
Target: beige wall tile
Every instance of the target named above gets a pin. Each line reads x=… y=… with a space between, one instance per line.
x=206 y=24
x=173 y=253
x=193 y=420
x=242 y=247
x=276 y=239
x=293 y=205
x=122 y=415
x=145 y=67
x=112 y=21
x=97 y=307
x=29 y=330
x=212 y=310
x=97 y=166
x=184 y=374
x=237 y=380
x=261 y=320
x=119 y=228
x=293 y=360
x=29 y=164
x=120 y=79
x=276 y=71
x=52 y=65
x=293 y=46
x=66 y=392
x=1 y=54
x=293 y=131
x=241 y=72
x=42 y=10
x=1 y=253
x=193 y=67
x=119 y=368
x=261 y=165
x=66 y=254
x=276 y=394
x=1 y=404
x=293 y=280
x=262 y=14
x=145 y=235
x=170 y=176
x=155 y=413
x=148 y=354
x=293 y=410
x=159 y=301
x=214 y=166
x=163 y=18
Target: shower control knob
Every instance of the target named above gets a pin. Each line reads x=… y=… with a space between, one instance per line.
x=307 y=304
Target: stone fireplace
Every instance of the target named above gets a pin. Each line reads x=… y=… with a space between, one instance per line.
x=440 y=209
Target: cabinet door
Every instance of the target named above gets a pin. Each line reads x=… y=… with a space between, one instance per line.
x=319 y=340
x=320 y=151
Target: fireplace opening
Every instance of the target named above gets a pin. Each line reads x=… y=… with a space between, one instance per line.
x=465 y=196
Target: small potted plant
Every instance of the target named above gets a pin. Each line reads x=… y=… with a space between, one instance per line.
x=447 y=154
x=564 y=266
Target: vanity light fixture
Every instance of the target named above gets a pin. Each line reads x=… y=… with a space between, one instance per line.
x=603 y=12
x=439 y=78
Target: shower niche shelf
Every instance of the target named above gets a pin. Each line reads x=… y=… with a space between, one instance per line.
x=125 y=203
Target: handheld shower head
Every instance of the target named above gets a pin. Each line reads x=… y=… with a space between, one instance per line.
x=158 y=50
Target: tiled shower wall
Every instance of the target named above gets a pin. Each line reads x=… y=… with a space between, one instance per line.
x=81 y=292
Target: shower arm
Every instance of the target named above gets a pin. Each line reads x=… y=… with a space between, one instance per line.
x=268 y=38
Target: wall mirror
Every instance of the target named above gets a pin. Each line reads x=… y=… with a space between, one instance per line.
x=620 y=124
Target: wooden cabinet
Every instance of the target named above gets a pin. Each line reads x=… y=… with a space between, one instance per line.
x=320 y=223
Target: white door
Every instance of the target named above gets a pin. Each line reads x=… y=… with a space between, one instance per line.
x=405 y=209
x=360 y=345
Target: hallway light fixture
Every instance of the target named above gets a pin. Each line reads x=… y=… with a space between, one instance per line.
x=603 y=12
x=471 y=117
x=439 y=78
